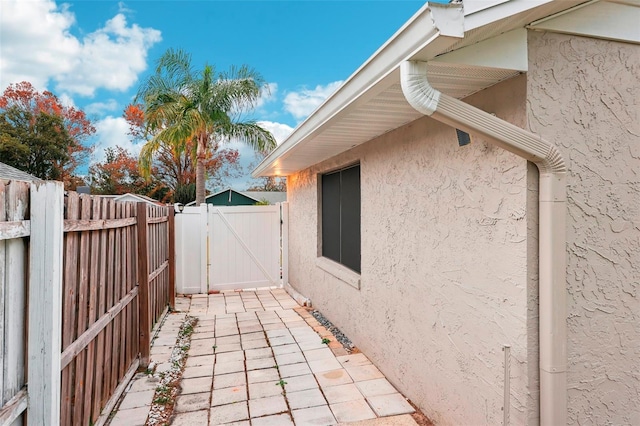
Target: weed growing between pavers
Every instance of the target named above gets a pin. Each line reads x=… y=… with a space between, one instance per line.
x=165 y=396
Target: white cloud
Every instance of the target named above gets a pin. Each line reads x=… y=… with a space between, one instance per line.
x=66 y=100
x=267 y=94
x=101 y=107
x=37 y=46
x=302 y=103
x=280 y=131
x=112 y=131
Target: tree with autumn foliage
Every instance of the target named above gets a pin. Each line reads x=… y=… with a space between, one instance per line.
x=119 y=174
x=41 y=136
x=174 y=164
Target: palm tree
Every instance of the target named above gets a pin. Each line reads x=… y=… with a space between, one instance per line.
x=182 y=104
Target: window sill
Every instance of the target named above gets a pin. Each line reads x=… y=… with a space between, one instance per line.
x=340 y=272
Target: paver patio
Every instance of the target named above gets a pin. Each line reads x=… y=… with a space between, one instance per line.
x=258 y=358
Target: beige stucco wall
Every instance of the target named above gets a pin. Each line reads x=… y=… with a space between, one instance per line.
x=584 y=94
x=447 y=248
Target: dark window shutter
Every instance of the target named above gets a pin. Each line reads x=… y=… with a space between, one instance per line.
x=331 y=216
x=350 y=218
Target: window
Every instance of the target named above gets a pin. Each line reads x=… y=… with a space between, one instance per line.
x=341 y=216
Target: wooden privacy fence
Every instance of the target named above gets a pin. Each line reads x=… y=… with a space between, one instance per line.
x=87 y=343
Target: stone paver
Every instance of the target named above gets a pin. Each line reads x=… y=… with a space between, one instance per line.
x=228 y=413
x=192 y=402
x=247 y=349
x=299 y=383
x=352 y=411
x=390 y=405
x=229 y=380
x=263 y=390
x=277 y=420
x=265 y=406
x=291 y=370
x=196 y=385
x=228 y=395
x=333 y=378
x=313 y=416
x=375 y=387
x=191 y=418
x=137 y=399
x=130 y=417
x=342 y=393
x=306 y=398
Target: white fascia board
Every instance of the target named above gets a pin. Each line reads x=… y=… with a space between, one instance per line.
x=506 y=51
x=608 y=20
x=434 y=29
x=474 y=18
x=421 y=30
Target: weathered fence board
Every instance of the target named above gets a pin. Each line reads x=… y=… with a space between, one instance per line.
x=45 y=303
x=14 y=226
x=100 y=276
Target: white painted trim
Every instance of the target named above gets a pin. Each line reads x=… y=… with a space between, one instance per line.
x=421 y=30
x=506 y=51
x=284 y=242
x=339 y=271
x=45 y=303
x=204 y=249
x=606 y=20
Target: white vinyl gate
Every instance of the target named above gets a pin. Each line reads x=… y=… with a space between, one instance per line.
x=222 y=248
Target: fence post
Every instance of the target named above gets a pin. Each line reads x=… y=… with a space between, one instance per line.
x=204 y=248
x=144 y=313
x=172 y=258
x=284 y=223
x=45 y=303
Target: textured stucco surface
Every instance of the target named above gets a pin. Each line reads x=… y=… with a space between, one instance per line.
x=447 y=248
x=584 y=95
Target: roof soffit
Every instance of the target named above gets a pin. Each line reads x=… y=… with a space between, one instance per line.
x=370 y=103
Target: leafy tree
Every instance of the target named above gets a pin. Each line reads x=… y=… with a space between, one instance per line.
x=185 y=194
x=174 y=164
x=37 y=145
x=120 y=174
x=41 y=136
x=184 y=105
x=270 y=183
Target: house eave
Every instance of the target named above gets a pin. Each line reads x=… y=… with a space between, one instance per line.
x=370 y=103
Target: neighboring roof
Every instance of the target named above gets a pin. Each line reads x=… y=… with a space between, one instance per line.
x=137 y=197
x=272 y=197
x=223 y=191
x=11 y=173
x=467 y=51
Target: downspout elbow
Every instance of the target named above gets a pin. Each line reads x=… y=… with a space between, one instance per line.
x=552 y=224
x=417 y=90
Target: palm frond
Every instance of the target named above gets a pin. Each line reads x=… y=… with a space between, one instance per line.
x=250 y=133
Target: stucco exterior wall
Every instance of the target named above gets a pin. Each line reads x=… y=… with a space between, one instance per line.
x=584 y=95
x=447 y=247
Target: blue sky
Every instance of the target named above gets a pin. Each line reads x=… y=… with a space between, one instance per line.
x=93 y=54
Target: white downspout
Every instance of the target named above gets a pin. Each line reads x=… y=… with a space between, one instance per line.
x=552 y=238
